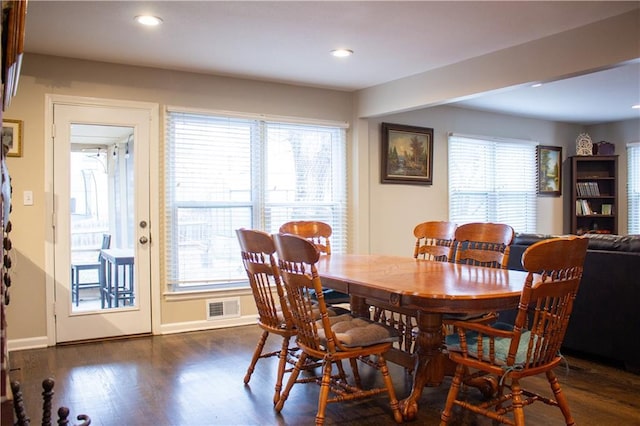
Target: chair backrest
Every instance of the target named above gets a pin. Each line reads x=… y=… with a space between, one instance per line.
x=315 y=231
x=297 y=259
x=434 y=240
x=483 y=244
x=106 y=243
x=257 y=250
x=546 y=304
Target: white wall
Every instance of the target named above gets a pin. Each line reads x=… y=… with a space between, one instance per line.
x=396 y=209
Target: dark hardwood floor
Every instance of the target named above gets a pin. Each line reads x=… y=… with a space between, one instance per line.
x=197 y=379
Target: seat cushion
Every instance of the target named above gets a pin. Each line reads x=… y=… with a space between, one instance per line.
x=501 y=345
x=332 y=311
x=354 y=331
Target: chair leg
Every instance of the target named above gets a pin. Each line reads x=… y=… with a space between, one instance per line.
x=453 y=394
x=256 y=356
x=393 y=399
x=284 y=352
x=563 y=404
x=517 y=403
x=356 y=373
x=324 y=392
x=293 y=377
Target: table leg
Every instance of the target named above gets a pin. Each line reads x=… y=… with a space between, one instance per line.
x=359 y=307
x=430 y=361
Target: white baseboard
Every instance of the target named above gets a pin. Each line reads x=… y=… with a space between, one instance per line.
x=29 y=343
x=178 y=327
x=182 y=327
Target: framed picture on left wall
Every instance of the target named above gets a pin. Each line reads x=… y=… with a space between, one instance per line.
x=12 y=137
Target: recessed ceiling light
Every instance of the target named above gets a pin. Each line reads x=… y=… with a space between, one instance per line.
x=341 y=53
x=536 y=85
x=636 y=106
x=148 y=20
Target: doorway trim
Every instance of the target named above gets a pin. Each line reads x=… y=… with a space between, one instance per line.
x=154 y=200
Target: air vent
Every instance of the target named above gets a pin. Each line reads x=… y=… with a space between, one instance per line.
x=223 y=308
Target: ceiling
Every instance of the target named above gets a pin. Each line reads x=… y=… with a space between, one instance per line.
x=289 y=42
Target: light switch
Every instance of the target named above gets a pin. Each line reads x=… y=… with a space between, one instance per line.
x=27 y=198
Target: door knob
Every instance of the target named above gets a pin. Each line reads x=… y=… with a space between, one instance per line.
x=143 y=240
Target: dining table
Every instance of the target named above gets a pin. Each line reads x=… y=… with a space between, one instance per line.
x=428 y=290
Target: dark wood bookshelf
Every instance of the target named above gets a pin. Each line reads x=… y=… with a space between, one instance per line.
x=594 y=194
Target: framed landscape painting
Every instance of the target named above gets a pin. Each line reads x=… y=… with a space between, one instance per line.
x=407 y=154
x=549 y=170
x=12 y=137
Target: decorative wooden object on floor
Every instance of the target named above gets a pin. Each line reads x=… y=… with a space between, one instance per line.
x=532 y=345
x=47 y=395
x=319 y=233
x=330 y=339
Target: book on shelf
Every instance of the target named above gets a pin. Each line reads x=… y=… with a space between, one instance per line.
x=583 y=207
x=587 y=189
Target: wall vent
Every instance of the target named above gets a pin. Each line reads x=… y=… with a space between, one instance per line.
x=223 y=308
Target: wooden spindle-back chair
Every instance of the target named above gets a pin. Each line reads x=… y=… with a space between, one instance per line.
x=331 y=340
x=434 y=240
x=319 y=233
x=483 y=244
x=258 y=257
x=530 y=346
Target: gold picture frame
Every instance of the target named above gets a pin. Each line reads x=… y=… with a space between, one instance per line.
x=549 y=159
x=12 y=137
x=407 y=154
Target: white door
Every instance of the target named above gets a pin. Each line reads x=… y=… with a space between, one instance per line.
x=101 y=189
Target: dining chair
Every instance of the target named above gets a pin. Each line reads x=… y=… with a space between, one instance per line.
x=434 y=241
x=330 y=339
x=530 y=346
x=258 y=258
x=480 y=244
x=77 y=267
x=319 y=233
x=483 y=244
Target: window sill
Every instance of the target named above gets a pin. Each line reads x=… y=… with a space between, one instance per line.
x=240 y=289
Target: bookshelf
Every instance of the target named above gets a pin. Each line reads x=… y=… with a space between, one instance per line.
x=594 y=194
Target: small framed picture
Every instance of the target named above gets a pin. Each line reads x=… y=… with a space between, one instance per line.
x=407 y=154
x=12 y=137
x=549 y=170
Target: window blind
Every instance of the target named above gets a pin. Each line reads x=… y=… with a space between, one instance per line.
x=492 y=181
x=223 y=173
x=633 y=188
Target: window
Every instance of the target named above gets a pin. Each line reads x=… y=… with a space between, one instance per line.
x=633 y=188
x=492 y=181
x=224 y=173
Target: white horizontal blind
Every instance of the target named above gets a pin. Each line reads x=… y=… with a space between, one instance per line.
x=492 y=181
x=225 y=173
x=633 y=188
x=305 y=177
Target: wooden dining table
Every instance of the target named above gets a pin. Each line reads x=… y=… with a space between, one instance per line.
x=427 y=289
